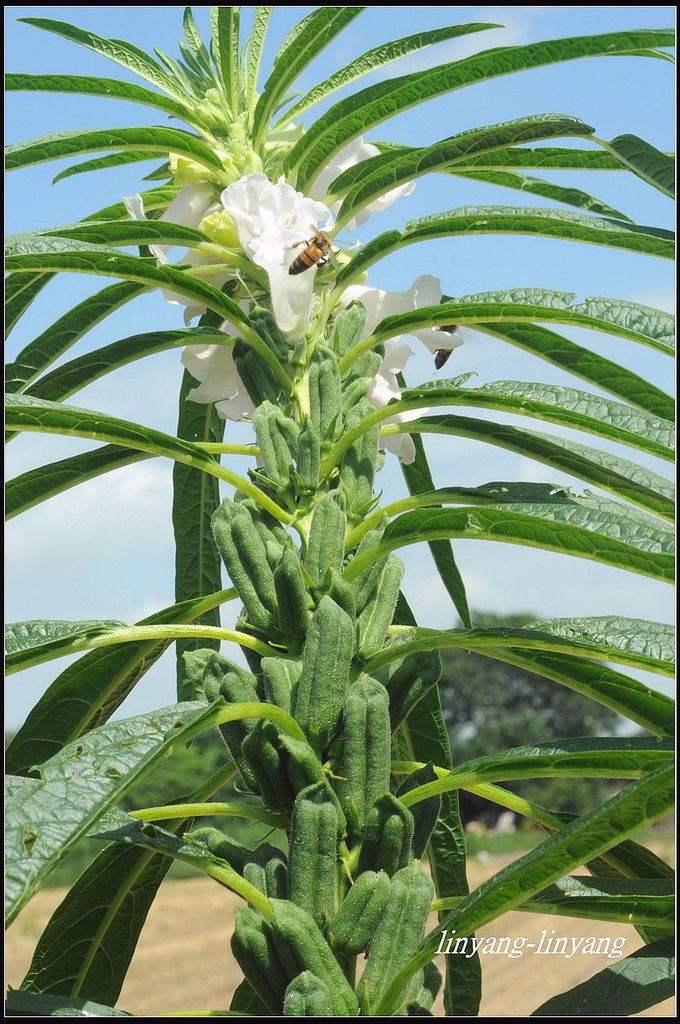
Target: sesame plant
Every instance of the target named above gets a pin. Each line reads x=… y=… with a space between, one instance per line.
x=333 y=733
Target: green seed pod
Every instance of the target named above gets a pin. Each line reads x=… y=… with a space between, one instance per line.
x=280 y=676
x=254 y=947
x=348 y=329
x=305 y=769
x=206 y=664
x=366 y=750
x=245 y=557
x=291 y=595
x=409 y=682
x=313 y=853
x=355 y=392
x=325 y=395
x=387 y=838
x=301 y=947
x=365 y=583
x=306 y=996
x=377 y=616
x=268 y=763
x=309 y=458
x=425 y=812
x=399 y=933
x=351 y=929
x=268 y=528
x=341 y=592
x=237 y=688
x=277 y=438
x=268 y=871
x=320 y=693
x=219 y=845
x=265 y=325
x=326 y=537
x=258 y=379
x=358 y=465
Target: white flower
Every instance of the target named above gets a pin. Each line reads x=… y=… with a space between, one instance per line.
x=214 y=367
x=354 y=153
x=271 y=221
x=385 y=387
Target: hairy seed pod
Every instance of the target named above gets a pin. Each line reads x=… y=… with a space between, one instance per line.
x=267 y=870
x=291 y=595
x=341 y=592
x=309 y=458
x=245 y=557
x=359 y=463
x=277 y=438
x=320 y=693
x=254 y=947
x=399 y=932
x=268 y=763
x=351 y=930
x=387 y=837
x=307 y=996
x=280 y=676
x=236 y=688
x=409 y=683
x=326 y=537
x=325 y=395
x=366 y=762
x=365 y=583
x=376 y=617
x=313 y=853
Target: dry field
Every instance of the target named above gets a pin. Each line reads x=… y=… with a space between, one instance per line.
x=184 y=963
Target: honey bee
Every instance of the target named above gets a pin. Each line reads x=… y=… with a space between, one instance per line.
x=441 y=356
x=317 y=252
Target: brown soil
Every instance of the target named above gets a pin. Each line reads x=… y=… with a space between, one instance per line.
x=183 y=961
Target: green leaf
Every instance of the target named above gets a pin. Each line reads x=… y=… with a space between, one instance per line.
x=354 y=115
x=372 y=178
x=70 y=377
x=626 y=987
x=20 y=291
x=427 y=739
x=196 y=496
x=636 y=901
x=546 y=158
x=255 y=44
x=23 y=640
x=26 y=413
x=639 y=804
x=643 y=159
x=129 y=232
x=641 y=704
x=88 y=944
x=129 y=56
x=76 y=142
x=37 y=485
x=619 y=476
x=637 y=642
x=581 y=362
x=302 y=44
x=84 y=780
x=102 y=163
x=418 y=479
x=224 y=25
x=581 y=758
x=193 y=37
x=552 y=403
x=378 y=57
x=89 y=85
x=89 y=691
x=34 y=1004
x=538 y=187
x=586 y=530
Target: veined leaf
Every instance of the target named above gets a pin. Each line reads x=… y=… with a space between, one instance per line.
x=587 y=531
x=38 y=635
x=26 y=413
x=354 y=115
x=626 y=987
x=639 y=804
x=89 y=85
x=643 y=159
x=554 y=404
x=128 y=232
x=158 y=198
x=548 y=158
x=36 y=485
x=193 y=38
x=85 y=779
x=302 y=44
x=255 y=44
x=76 y=142
x=70 y=377
x=34 y=1004
x=581 y=362
x=583 y=758
x=102 y=163
x=224 y=24
x=649 y=708
x=126 y=54
x=539 y=187
x=372 y=178
x=378 y=57
x=619 y=476
x=89 y=691
x=636 y=642
x=20 y=291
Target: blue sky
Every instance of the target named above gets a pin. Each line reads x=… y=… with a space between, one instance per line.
x=104 y=550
